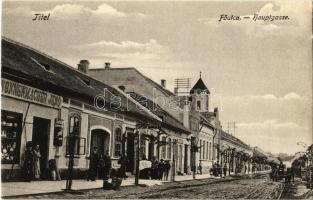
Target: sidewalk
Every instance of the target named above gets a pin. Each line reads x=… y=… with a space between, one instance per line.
x=36 y=187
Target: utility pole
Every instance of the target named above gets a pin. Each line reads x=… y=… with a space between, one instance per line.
x=173 y=161
x=71 y=143
x=137 y=157
x=194 y=148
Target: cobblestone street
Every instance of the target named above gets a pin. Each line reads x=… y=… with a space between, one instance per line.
x=247 y=188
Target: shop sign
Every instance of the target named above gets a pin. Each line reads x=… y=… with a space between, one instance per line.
x=58 y=132
x=27 y=93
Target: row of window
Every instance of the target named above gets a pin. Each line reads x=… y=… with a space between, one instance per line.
x=205 y=150
x=165 y=145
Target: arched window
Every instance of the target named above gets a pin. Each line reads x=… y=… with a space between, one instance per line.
x=74 y=132
x=118 y=142
x=74 y=125
x=198 y=105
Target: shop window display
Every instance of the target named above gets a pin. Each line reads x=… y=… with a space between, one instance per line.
x=11 y=125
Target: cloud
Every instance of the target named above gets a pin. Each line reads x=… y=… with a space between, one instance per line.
x=75 y=11
x=271 y=124
x=267 y=97
x=273 y=135
x=291 y=95
x=126 y=50
x=66 y=11
x=123 y=53
x=151 y=46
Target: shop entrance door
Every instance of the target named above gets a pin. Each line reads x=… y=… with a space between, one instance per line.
x=130 y=152
x=41 y=130
x=98 y=139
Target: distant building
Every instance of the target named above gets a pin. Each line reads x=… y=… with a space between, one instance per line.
x=186 y=109
x=161 y=102
x=235 y=154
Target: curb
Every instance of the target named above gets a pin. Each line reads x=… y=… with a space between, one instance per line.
x=88 y=189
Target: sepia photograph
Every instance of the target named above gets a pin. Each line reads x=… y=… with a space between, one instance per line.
x=208 y=99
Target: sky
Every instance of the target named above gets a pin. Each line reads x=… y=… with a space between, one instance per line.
x=259 y=73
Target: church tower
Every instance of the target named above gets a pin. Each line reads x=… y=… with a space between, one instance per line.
x=200 y=95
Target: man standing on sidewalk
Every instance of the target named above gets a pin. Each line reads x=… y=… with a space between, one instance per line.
x=107 y=169
x=225 y=170
x=93 y=164
x=123 y=161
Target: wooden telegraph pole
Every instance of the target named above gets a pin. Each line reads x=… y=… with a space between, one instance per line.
x=173 y=161
x=137 y=136
x=71 y=144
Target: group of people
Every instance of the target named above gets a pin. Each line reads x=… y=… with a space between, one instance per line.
x=99 y=165
x=160 y=169
x=278 y=172
x=31 y=167
x=218 y=170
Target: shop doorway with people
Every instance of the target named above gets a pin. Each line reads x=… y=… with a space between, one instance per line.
x=40 y=141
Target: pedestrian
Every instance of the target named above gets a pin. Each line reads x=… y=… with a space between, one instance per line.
x=37 y=156
x=161 y=169
x=200 y=168
x=214 y=169
x=101 y=166
x=107 y=170
x=28 y=166
x=123 y=161
x=218 y=169
x=107 y=165
x=167 y=168
x=292 y=174
x=154 y=168
x=288 y=176
x=93 y=164
x=225 y=170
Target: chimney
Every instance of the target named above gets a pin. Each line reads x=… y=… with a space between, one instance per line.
x=107 y=65
x=122 y=87
x=83 y=66
x=163 y=83
x=216 y=113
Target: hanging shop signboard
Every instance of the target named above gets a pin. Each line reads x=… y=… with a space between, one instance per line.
x=27 y=93
x=58 y=132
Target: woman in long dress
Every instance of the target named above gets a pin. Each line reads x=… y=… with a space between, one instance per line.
x=37 y=157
